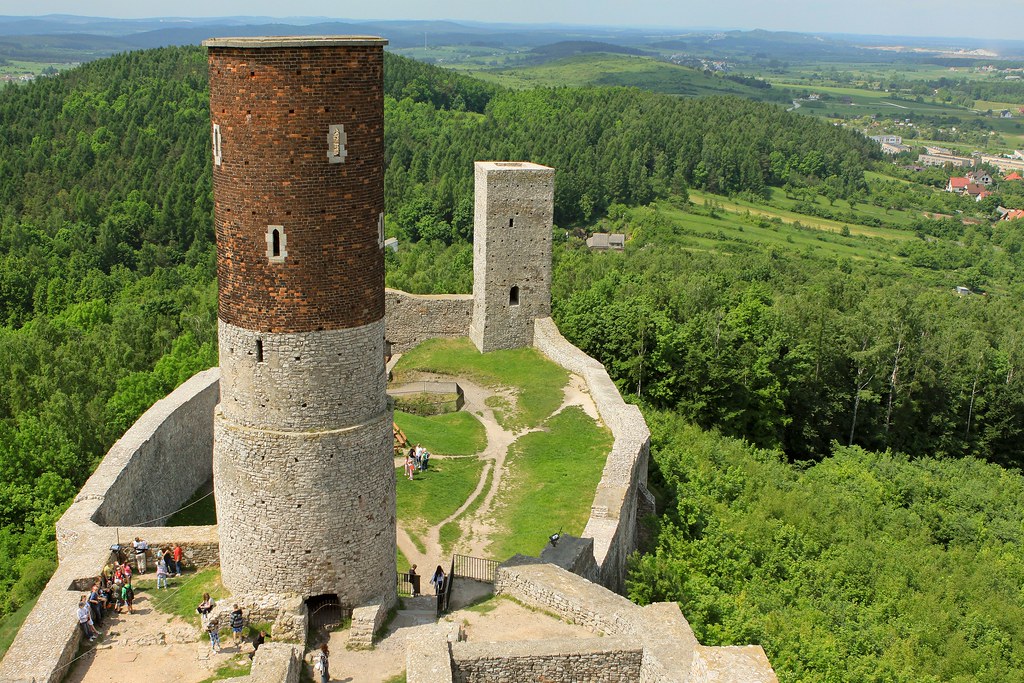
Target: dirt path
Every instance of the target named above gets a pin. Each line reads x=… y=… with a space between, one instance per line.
x=150 y=646
x=478 y=527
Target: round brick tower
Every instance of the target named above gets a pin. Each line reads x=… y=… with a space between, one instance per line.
x=303 y=469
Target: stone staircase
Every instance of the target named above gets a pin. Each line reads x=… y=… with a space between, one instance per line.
x=417 y=611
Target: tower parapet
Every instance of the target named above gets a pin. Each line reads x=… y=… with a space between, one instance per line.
x=303 y=473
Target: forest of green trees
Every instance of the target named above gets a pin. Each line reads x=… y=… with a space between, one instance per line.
x=835 y=443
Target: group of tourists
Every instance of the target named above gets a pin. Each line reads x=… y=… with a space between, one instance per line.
x=236 y=620
x=113 y=590
x=168 y=561
x=416 y=460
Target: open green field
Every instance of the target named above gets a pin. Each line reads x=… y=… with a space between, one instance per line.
x=535 y=381
x=435 y=494
x=732 y=231
x=616 y=70
x=453 y=434
x=14 y=67
x=551 y=482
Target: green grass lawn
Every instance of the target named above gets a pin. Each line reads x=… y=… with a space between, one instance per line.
x=451 y=434
x=437 y=493
x=550 y=484
x=200 y=509
x=450 y=533
x=536 y=381
x=184 y=594
x=733 y=232
x=10 y=624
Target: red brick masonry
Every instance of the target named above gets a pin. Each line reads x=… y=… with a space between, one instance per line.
x=275 y=103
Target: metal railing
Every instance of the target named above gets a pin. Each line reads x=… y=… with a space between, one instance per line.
x=404 y=585
x=477 y=568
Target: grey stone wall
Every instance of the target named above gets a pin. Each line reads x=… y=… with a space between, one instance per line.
x=160 y=461
x=613 y=515
x=307 y=381
x=411 y=319
x=274 y=663
x=309 y=512
x=511 y=250
x=169 y=439
x=599 y=660
x=428 y=658
x=670 y=651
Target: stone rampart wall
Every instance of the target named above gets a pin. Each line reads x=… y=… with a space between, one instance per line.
x=160 y=461
x=670 y=651
x=613 y=515
x=557 y=661
x=150 y=472
x=413 y=318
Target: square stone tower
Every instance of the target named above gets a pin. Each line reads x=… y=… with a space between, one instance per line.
x=511 y=252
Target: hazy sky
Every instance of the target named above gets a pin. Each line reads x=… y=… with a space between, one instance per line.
x=996 y=19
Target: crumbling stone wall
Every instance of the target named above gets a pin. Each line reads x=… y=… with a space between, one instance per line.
x=596 y=660
x=613 y=514
x=411 y=319
x=178 y=426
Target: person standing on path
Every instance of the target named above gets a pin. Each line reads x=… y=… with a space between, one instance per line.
x=161 y=574
x=176 y=554
x=140 y=548
x=85 y=619
x=322 y=664
x=237 y=621
x=128 y=595
x=437 y=580
x=414 y=581
x=213 y=628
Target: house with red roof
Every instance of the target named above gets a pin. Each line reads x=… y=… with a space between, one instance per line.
x=982 y=195
x=1013 y=214
x=1013 y=176
x=958 y=185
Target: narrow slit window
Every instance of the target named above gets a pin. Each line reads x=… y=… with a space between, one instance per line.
x=277 y=243
x=259 y=350
x=510 y=222
x=513 y=296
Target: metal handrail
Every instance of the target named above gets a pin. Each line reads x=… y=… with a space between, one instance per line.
x=477 y=568
x=404 y=585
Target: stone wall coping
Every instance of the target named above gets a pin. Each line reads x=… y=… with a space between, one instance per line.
x=553 y=647
x=428 y=658
x=511 y=166
x=429 y=297
x=258 y=42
